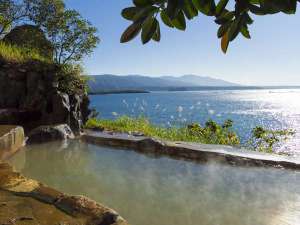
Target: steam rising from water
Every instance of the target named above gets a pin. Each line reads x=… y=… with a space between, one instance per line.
x=162 y=191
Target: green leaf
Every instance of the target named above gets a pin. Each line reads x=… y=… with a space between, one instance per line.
x=130 y=12
x=256 y=2
x=179 y=21
x=189 y=9
x=221 y=6
x=247 y=18
x=256 y=10
x=143 y=13
x=131 y=32
x=173 y=8
x=223 y=29
x=275 y=6
x=141 y=3
x=166 y=19
x=245 y=32
x=224 y=18
x=241 y=7
x=225 y=42
x=156 y=36
x=149 y=29
x=234 y=29
x=207 y=7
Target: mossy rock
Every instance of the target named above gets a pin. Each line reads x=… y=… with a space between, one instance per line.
x=30 y=37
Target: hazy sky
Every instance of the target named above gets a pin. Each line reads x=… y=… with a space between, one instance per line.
x=271 y=57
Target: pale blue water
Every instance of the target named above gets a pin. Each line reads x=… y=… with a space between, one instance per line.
x=274 y=109
x=162 y=191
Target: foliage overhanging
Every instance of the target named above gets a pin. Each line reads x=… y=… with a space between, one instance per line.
x=232 y=17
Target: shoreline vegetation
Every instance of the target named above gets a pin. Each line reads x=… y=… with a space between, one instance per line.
x=262 y=140
x=211 y=133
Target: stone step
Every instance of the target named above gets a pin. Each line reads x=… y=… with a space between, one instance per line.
x=12 y=138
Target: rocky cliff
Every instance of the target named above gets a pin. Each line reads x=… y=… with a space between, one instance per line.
x=29 y=96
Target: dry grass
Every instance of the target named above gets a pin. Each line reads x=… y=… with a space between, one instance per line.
x=211 y=133
x=16 y=54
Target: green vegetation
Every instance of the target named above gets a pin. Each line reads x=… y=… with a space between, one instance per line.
x=69 y=76
x=30 y=37
x=264 y=140
x=15 y=54
x=71 y=80
x=71 y=36
x=211 y=133
x=232 y=17
x=45 y=31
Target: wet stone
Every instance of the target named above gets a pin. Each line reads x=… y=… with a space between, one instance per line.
x=18 y=210
x=25 y=201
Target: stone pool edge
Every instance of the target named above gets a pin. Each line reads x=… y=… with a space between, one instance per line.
x=76 y=206
x=190 y=151
x=12 y=139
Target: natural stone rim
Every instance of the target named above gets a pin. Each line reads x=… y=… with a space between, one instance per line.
x=76 y=206
x=189 y=151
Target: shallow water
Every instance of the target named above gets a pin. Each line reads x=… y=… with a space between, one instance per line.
x=163 y=191
x=272 y=109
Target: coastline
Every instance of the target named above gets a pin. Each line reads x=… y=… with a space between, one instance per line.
x=118 y=92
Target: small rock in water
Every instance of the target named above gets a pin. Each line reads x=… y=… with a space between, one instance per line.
x=50 y=133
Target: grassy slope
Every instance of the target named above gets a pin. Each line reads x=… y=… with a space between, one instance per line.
x=207 y=134
x=14 y=54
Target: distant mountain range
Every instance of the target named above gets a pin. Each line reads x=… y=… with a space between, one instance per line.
x=110 y=83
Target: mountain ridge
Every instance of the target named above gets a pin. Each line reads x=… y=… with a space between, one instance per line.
x=111 y=82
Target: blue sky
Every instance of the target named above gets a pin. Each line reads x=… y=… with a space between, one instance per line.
x=271 y=57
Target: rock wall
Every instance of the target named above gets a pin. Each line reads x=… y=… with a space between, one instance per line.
x=29 y=97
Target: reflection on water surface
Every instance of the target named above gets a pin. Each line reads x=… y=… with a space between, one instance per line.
x=163 y=191
x=272 y=109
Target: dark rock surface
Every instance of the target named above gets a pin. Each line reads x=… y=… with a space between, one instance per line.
x=50 y=133
x=29 y=97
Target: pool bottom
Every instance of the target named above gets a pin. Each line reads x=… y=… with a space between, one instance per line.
x=163 y=191
x=28 y=211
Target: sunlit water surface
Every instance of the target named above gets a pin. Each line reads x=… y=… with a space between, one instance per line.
x=273 y=109
x=163 y=191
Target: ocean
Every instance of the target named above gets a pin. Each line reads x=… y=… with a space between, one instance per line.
x=270 y=108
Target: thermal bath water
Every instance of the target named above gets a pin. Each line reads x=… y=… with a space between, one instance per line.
x=161 y=191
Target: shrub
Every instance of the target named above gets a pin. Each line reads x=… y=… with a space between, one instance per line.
x=211 y=133
x=264 y=140
x=70 y=79
x=215 y=133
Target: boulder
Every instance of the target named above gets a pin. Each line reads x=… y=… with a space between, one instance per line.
x=50 y=133
x=31 y=37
